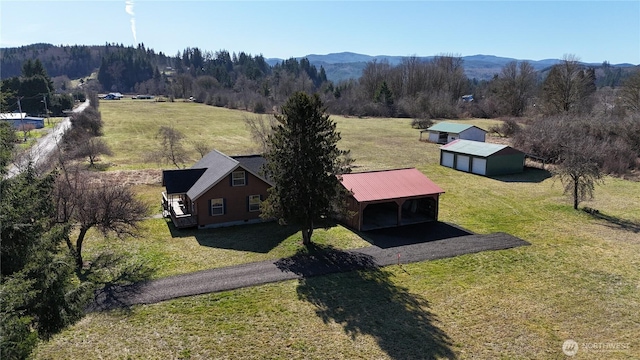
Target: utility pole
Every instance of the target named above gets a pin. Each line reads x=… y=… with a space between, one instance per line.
x=44 y=100
x=24 y=129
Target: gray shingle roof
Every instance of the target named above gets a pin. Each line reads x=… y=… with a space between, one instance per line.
x=217 y=165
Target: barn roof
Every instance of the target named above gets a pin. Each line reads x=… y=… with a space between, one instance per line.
x=389 y=184
x=476 y=148
x=451 y=127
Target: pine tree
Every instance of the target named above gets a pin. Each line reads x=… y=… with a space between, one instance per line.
x=304 y=162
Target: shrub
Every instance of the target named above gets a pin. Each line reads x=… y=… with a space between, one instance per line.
x=508 y=128
x=421 y=123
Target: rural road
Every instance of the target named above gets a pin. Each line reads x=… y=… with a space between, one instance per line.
x=296 y=267
x=40 y=152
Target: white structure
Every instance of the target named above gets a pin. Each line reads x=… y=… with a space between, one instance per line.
x=446 y=132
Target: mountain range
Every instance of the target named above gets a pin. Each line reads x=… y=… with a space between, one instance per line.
x=349 y=65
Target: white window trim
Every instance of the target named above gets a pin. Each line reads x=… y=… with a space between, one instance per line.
x=259 y=201
x=235 y=178
x=220 y=207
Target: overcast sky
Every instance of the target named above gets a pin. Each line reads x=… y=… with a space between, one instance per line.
x=594 y=31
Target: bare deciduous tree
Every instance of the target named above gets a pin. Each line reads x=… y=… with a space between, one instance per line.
x=515 y=86
x=579 y=170
x=91 y=148
x=85 y=203
x=630 y=93
x=568 y=87
x=260 y=127
x=202 y=148
x=170 y=149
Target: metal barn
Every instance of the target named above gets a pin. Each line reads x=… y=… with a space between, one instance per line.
x=482 y=158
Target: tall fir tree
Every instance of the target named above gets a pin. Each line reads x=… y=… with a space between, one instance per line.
x=304 y=162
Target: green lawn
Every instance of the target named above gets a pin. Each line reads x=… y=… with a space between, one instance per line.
x=579 y=280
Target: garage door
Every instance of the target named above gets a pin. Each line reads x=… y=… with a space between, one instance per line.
x=462 y=163
x=479 y=166
x=447 y=159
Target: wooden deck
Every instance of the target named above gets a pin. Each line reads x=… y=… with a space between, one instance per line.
x=175 y=209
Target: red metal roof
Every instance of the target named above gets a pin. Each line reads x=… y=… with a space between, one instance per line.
x=389 y=184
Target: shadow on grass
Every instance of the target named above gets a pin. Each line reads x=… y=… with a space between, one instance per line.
x=117 y=277
x=529 y=175
x=412 y=234
x=367 y=302
x=614 y=222
x=259 y=238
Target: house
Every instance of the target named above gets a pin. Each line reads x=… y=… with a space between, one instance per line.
x=482 y=158
x=389 y=198
x=446 y=132
x=17 y=120
x=218 y=190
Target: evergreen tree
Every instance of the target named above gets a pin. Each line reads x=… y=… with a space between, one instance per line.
x=40 y=294
x=304 y=161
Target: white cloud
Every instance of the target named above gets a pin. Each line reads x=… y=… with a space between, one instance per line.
x=128 y=7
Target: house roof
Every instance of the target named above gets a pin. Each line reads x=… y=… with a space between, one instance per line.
x=12 y=116
x=476 y=148
x=451 y=127
x=180 y=181
x=389 y=184
x=253 y=163
x=217 y=165
x=208 y=171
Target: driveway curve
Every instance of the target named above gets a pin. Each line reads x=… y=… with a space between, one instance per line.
x=299 y=266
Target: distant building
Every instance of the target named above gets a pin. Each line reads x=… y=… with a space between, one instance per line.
x=482 y=158
x=17 y=120
x=446 y=132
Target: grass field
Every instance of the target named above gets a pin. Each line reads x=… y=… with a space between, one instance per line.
x=579 y=280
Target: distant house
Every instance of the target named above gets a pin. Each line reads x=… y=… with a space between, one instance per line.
x=218 y=190
x=482 y=158
x=446 y=132
x=389 y=198
x=17 y=120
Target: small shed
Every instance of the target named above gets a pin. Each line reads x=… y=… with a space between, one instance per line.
x=482 y=158
x=446 y=132
x=390 y=198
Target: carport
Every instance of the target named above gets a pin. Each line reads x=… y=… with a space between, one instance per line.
x=390 y=198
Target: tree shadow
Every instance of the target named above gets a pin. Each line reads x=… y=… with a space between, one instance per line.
x=613 y=221
x=259 y=238
x=528 y=175
x=367 y=302
x=412 y=234
x=116 y=276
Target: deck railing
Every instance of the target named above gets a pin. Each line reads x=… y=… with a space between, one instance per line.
x=178 y=212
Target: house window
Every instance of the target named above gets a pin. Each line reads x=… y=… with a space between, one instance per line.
x=217 y=207
x=238 y=178
x=254 y=203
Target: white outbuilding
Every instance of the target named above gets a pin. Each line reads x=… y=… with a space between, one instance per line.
x=446 y=132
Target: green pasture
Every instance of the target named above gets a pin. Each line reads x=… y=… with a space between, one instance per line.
x=579 y=279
